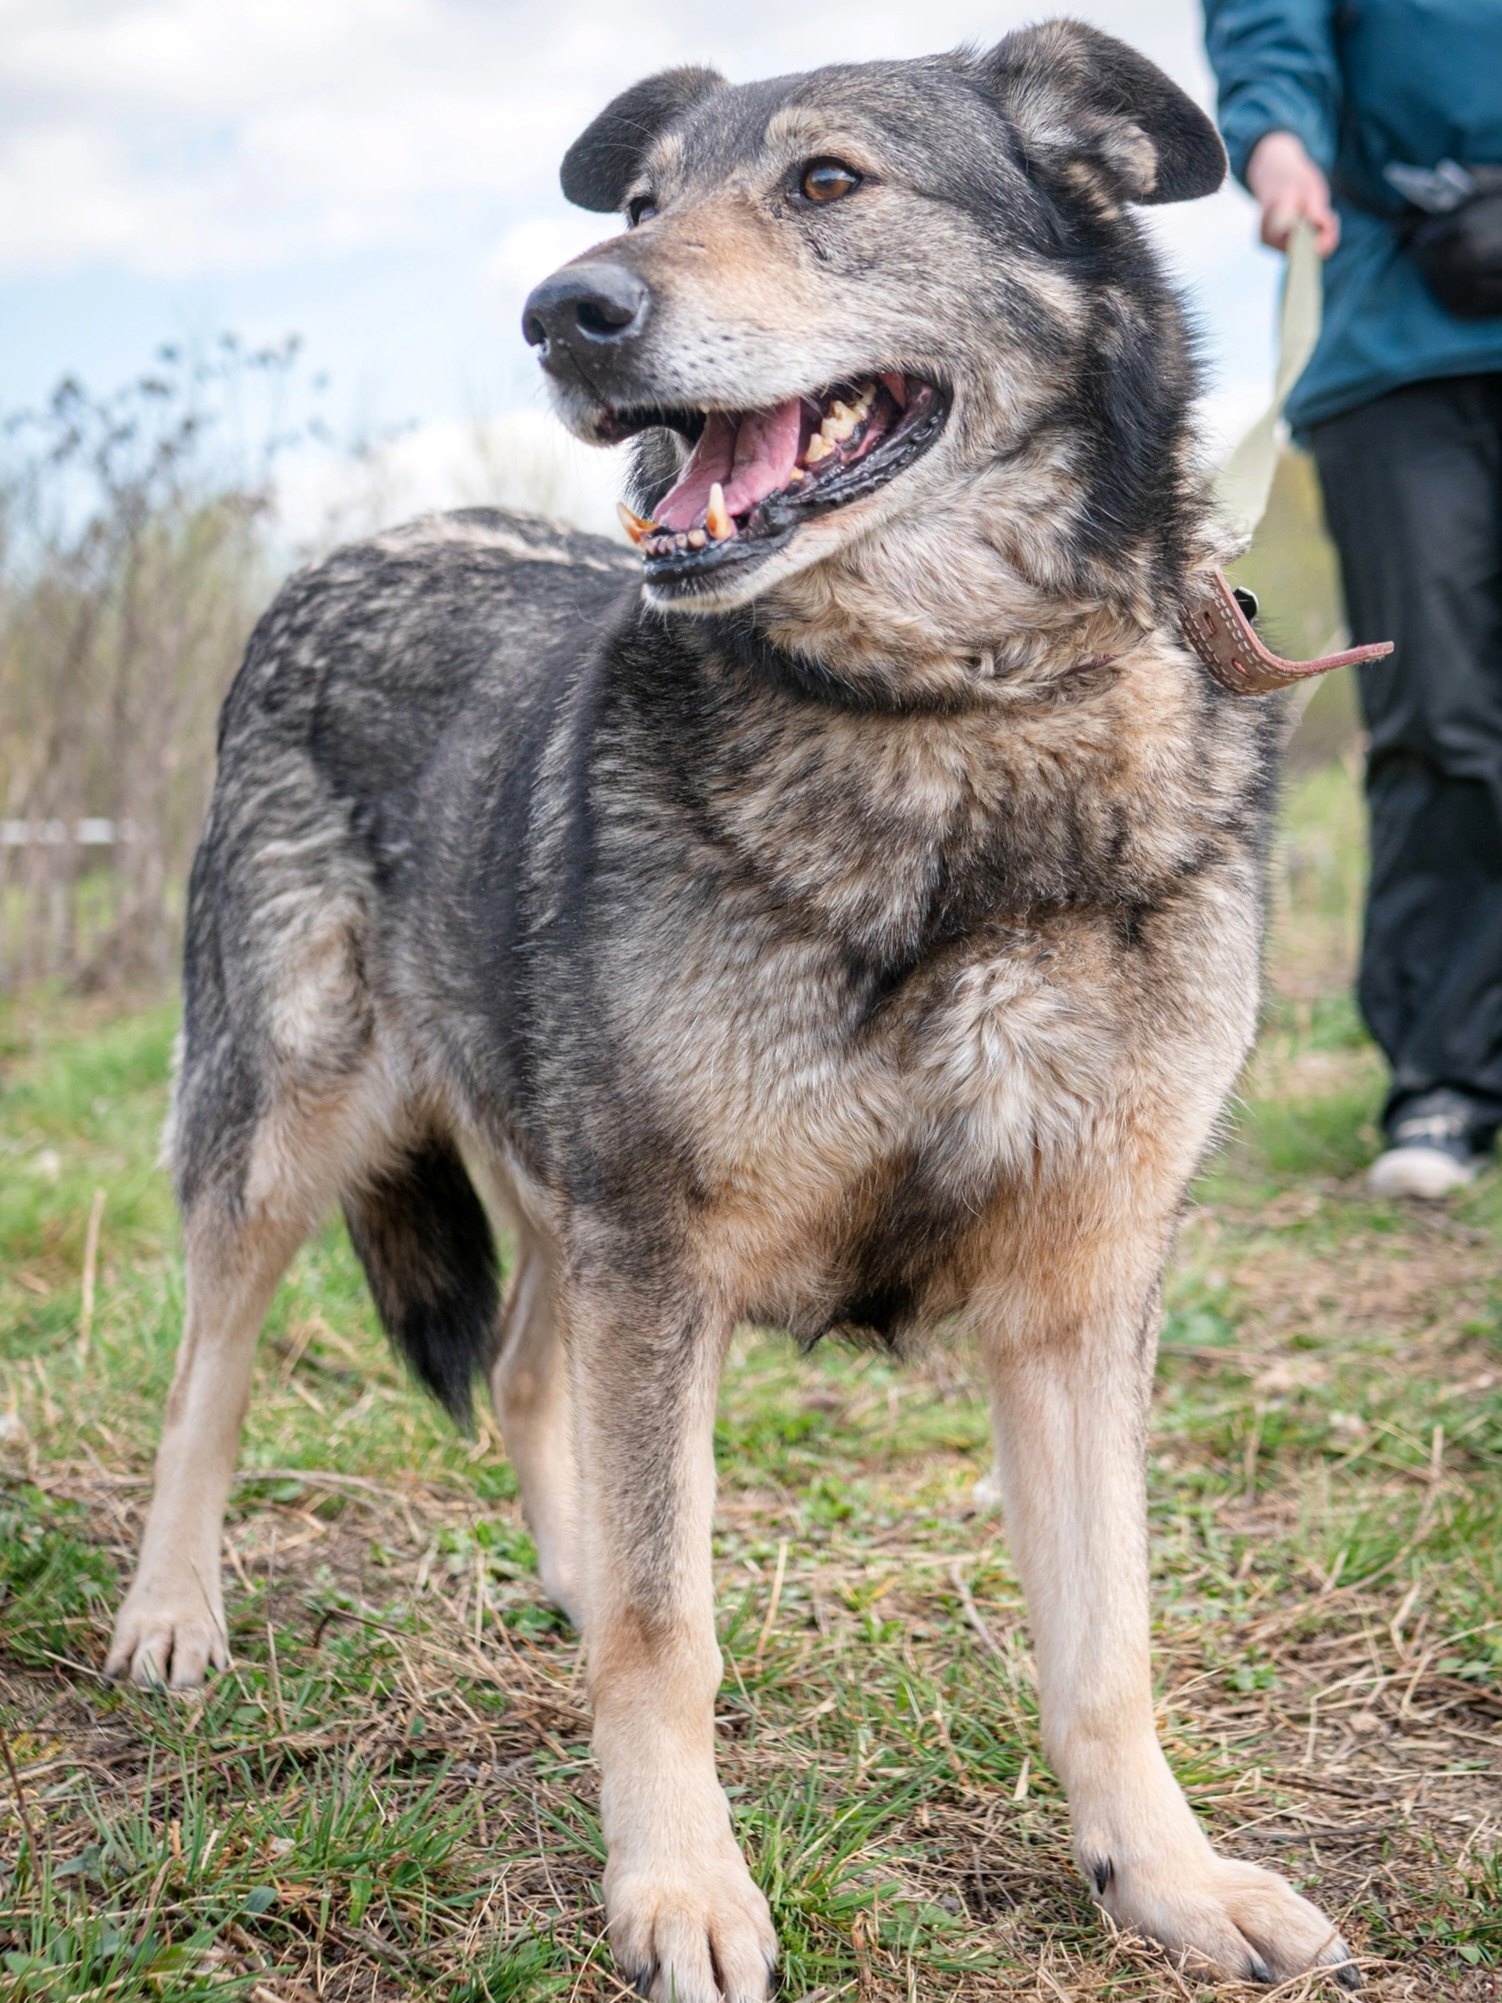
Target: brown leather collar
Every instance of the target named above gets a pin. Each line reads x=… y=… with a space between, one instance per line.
x=1220 y=632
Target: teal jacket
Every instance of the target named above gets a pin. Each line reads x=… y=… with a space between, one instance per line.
x=1363 y=83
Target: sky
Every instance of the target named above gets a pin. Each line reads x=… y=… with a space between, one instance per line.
x=380 y=177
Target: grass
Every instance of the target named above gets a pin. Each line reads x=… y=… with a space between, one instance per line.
x=391 y=1796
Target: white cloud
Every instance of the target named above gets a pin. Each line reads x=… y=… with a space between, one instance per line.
x=175 y=136
x=183 y=136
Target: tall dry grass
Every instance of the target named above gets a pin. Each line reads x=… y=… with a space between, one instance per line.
x=134 y=554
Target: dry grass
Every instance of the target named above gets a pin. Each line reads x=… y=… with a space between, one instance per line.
x=392 y=1795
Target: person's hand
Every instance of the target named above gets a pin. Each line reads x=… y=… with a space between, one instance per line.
x=1291 y=189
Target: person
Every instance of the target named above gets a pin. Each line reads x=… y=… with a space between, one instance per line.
x=1401 y=405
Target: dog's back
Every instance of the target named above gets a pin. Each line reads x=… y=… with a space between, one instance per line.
x=364 y=661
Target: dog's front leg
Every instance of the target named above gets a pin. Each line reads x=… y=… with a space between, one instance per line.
x=686 y=1922
x=1070 y=1362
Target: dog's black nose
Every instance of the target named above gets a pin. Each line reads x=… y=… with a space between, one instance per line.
x=585 y=305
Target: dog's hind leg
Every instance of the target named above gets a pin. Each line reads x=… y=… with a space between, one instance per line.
x=686 y=1922
x=530 y=1392
x=171 y=1627
x=259 y=1157
x=1070 y=1334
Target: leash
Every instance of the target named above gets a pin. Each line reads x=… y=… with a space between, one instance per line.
x=1245 y=481
x=1217 y=625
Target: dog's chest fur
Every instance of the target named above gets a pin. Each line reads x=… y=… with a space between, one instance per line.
x=893 y=964
x=840 y=1150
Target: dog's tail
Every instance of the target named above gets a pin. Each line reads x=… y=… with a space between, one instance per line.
x=425 y=1242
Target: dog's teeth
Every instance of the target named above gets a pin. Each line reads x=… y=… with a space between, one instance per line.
x=697 y=538
x=636 y=528
x=839 y=424
x=795 y=476
x=818 y=448
x=862 y=406
x=718 y=521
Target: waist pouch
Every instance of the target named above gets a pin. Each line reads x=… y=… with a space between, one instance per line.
x=1459 y=248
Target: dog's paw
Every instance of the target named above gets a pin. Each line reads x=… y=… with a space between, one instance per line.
x=1246 y=1922
x=699 y=1933
x=165 y=1644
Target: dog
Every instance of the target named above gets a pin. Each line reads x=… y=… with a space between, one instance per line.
x=841 y=911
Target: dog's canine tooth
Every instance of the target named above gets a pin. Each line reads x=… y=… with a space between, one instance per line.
x=718 y=520
x=636 y=527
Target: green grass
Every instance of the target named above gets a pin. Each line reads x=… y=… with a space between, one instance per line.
x=391 y=1795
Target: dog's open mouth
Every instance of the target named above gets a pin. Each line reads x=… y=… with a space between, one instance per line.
x=754 y=476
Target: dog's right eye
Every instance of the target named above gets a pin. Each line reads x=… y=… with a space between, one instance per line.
x=828 y=181
x=640 y=209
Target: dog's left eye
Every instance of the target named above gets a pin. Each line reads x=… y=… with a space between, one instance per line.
x=828 y=181
x=640 y=209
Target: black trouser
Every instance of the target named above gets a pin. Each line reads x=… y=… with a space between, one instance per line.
x=1413 y=494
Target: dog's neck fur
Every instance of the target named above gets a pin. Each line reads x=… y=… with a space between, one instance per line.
x=894 y=831
x=992 y=582
x=1015 y=666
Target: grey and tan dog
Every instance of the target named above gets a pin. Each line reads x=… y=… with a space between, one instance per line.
x=843 y=914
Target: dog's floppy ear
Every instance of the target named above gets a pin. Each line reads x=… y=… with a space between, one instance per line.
x=602 y=162
x=1082 y=101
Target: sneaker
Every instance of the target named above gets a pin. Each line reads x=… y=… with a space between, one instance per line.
x=1432 y=1155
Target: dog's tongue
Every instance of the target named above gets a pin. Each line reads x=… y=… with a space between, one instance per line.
x=751 y=457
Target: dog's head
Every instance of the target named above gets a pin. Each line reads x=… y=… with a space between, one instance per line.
x=844 y=299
